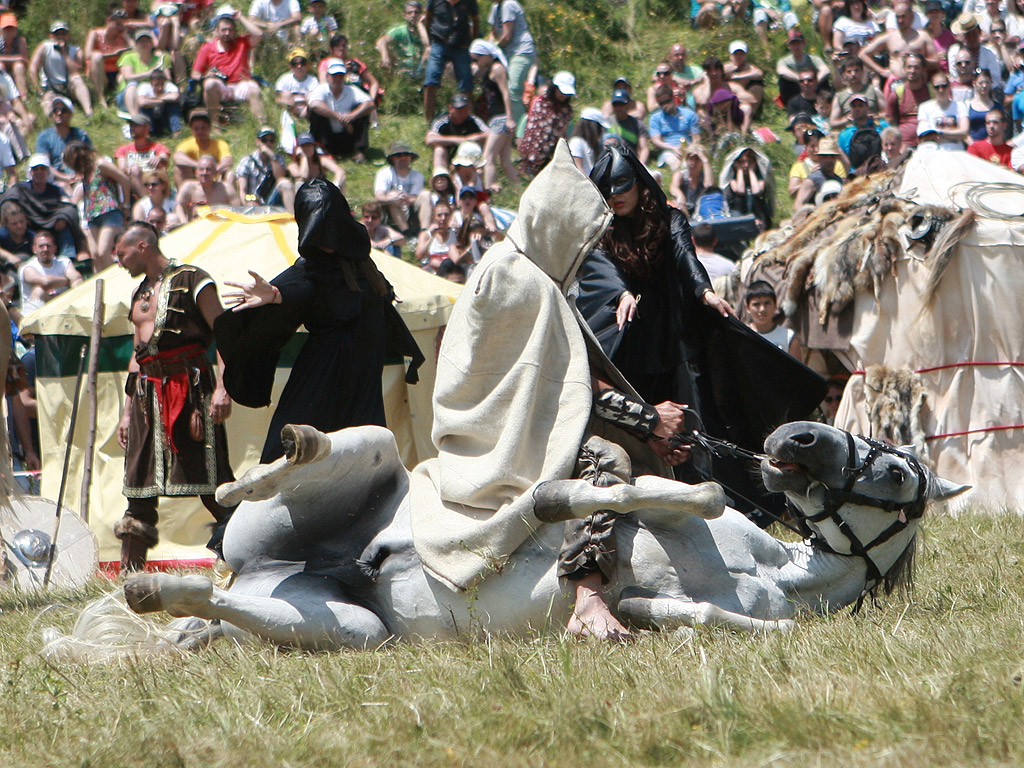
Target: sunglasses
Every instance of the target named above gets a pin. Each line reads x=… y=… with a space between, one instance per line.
x=940 y=86
x=299 y=62
x=663 y=74
x=153 y=184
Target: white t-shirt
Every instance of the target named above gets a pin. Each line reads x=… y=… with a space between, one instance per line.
x=930 y=116
x=579 y=148
x=289 y=83
x=265 y=10
x=59 y=268
x=345 y=102
x=715 y=264
x=780 y=336
x=388 y=180
x=146 y=90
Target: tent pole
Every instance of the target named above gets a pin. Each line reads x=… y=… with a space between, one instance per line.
x=90 y=394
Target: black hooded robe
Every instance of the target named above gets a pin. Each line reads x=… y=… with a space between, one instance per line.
x=353 y=330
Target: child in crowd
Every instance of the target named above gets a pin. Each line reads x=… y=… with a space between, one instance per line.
x=762 y=306
x=382 y=237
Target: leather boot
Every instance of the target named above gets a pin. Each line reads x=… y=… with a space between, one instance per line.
x=137 y=538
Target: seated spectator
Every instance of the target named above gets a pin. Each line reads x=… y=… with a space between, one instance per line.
x=160 y=101
x=275 y=17
x=747 y=182
x=103 y=48
x=805 y=100
x=739 y=70
x=823 y=109
x=318 y=27
x=46 y=207
x=704 y=242
x=789 y=66
x=442 y=187
x=223 y=66
x=684 y=74
x=339 y=114
x=158 y=195
x=188 y=153
x=826 y=158
x=723 y=118
x=704 y=14
x=136 y=67
x=763 y=307
x=547 y=122
x=204 y=190
x=466 y=166
x=860 y=120
x=772 y=13
x=14 y=51
x=103 y=194
x=799 y=125
x=854 y=83
x=293 y=87
x=672 y=127
x=15 y=119
x=357 y=74
x=134 y=17
x=663 y=79
x=494 y=107
x=855 y=25
x=262 y=177
x=310 y=162
x=398 y=185
x=46 y=275
x=56 y=69
x=634 y=107
x=892 y=147
x=714 y=81
x=585 y=144
x=630 y=129
x=160 y=220
x=437 y=241
x=980 y=104
x=942 y=121
x=171 y=25
x=452 y=272
x=450 y=130
x=15 y=237
x=903 y=99
x=691 y=180
x=53 y=140
x=141 y=154
x=382 y=237
x=993 y=147
x=806 y=164
x=404 y=47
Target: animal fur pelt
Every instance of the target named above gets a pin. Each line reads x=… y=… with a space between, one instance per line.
x=895 y=398
x=942 y=250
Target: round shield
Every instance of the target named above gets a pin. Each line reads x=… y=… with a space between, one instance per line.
x=27 y=525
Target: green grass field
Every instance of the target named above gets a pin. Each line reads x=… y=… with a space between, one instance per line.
x=914 y=682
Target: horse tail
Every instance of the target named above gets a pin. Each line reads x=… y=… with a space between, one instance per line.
x=107 y=630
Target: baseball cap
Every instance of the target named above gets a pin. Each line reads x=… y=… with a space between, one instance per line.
x=619 y=96
x=798 y=119
x=57 y=26
x=468 y=192
x=622 y=79
x=794 y=34
x=142 y=33
x=828 y=190
x=459 y=100
x=298 y=53
x=565 y=82
x=38 y=159
x=594 y=115
x=336 y=67
x=265 y=130
x=64 y=102
x=198 y=114
x=737 y=45
x=8 y=20
x=857 y=97
x=304 y=138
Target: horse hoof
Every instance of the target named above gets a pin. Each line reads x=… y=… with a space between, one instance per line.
x=142 y=593
x=178 y=595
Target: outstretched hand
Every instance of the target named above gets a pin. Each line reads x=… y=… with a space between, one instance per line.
x=256 y=295
x=717 y=303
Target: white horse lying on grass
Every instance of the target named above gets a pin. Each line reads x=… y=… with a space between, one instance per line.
x=324 y=556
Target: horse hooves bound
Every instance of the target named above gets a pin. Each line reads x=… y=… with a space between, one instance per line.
x=142 y=593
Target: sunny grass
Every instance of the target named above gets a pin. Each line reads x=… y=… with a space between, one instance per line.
x=924 y=681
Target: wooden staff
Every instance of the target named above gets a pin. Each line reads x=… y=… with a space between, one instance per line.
x=90 y=394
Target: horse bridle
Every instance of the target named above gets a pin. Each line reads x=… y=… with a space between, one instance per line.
x=835 y=499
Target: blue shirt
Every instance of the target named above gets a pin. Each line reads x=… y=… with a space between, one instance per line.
x=674 y=129
x=1014 y=82
x=846 y=135
x=50 y=143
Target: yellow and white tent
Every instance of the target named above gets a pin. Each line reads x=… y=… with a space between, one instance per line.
x=226 y=244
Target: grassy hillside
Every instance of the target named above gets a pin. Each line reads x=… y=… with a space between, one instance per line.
x=596 y=39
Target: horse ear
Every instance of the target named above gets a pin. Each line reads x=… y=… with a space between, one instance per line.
x=911 y=449
x=943 y=489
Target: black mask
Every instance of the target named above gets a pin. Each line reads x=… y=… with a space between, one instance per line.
x=327 y=231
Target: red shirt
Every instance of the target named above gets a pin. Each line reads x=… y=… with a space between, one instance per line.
x=901 y=103
x=233 y=62
x=986 y=150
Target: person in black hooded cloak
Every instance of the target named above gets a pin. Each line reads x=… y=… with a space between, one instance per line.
x=337 y=293
x=651 y=306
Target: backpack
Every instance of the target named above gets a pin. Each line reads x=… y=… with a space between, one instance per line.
x=864 y=145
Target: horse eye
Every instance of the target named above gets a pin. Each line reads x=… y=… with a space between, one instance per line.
x=897 y=474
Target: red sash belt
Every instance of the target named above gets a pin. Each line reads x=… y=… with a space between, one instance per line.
x=168 y=371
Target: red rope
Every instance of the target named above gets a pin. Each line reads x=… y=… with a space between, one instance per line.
x=973 y=431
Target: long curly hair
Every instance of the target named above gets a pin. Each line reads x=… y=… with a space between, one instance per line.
x=637 y=242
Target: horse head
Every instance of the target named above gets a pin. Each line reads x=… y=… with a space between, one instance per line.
x=853 y=495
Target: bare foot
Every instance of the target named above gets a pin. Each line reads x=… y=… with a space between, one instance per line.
x=592 y=618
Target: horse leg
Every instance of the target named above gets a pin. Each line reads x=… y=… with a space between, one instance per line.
x=667 y=613
x=560 y=500
x=305 y=611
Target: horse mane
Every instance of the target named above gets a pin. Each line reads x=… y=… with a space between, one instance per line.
x=899 y=578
